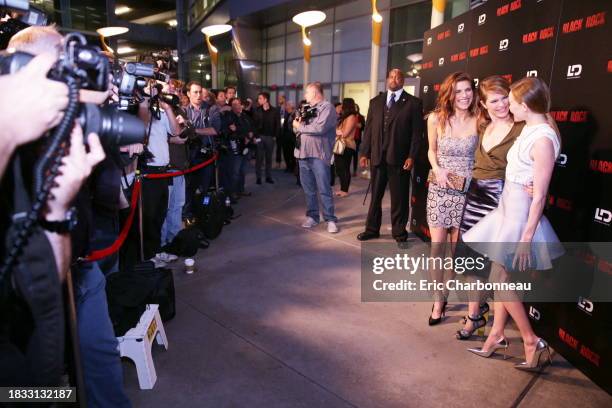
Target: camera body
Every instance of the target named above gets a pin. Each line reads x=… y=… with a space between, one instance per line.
x=90 y=69
x=306 y=112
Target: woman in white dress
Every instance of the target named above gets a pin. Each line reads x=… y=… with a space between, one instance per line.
x=518 y=219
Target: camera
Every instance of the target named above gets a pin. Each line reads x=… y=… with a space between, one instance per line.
x=87 y=68
x=188 y=131
x=131 y=79
x=306 y=112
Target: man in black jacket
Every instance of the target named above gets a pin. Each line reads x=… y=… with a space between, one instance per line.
x=267 y=122
x=391 y=140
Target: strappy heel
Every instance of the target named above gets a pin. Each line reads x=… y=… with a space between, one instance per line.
x=477 y=322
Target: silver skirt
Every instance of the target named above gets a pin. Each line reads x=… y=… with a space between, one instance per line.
x=498 y=233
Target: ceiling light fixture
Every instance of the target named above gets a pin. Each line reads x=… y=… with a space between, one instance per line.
x=119 y=10
x=125 y=50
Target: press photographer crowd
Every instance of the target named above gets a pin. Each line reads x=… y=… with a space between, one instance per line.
x=85 y=138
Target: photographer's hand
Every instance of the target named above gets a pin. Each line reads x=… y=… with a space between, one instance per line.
x=75 y=168
x=25 y=92
x=132 y=149
x=296 y=123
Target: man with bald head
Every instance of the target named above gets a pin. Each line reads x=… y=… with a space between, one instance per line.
x=394 y=127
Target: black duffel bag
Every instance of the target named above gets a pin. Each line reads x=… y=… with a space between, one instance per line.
x=129 y=292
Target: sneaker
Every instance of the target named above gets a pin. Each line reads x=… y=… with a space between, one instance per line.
x=332 y=228
x=309 y=222
x=258 y=181
x=158 y=263
x=269 y=180
x=166 y=257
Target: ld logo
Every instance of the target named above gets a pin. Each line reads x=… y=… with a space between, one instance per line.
x=585 y=305
x=476 y=81
x=562 y=160
x=428 y=40
x=425 y=88
x=534 y=313
x=532 y=73
x=482 y=19
x=503 y=44
x=574 y=71
x=603 y=216
x=460 y=28
x=441 y=61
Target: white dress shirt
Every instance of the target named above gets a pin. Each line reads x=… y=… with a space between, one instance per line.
x=393 y=94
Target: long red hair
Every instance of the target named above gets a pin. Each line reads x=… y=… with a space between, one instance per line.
x=446 y=98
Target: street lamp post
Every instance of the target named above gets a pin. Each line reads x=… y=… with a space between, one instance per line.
x=211 y=31
x=437 y=12
x=305 y=20
x=106 y=32
x=376 y=37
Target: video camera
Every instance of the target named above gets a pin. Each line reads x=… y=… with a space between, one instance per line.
x=131 y=80
x=306 y=112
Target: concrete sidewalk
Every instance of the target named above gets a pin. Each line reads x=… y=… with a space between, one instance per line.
x=273 y=318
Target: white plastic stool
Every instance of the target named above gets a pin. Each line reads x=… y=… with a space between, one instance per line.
x=136 y=345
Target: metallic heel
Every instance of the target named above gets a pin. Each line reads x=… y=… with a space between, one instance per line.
x=502 y=343
x=534 y=364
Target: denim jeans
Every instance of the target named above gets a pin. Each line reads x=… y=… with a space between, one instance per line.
x=174 y=217
x=237 y=173
x=315 y=176
x=102 y=370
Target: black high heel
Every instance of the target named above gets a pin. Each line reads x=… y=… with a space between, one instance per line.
x=432 y=321
x=477 y=322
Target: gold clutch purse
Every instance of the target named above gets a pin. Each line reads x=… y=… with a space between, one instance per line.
x=456 y=181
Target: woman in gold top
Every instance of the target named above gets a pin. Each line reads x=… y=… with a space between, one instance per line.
x=345 y=131
x=497 y=132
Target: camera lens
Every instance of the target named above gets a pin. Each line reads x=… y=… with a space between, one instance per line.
x=114 y=128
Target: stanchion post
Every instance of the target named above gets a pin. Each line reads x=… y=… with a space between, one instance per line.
x=140 y=229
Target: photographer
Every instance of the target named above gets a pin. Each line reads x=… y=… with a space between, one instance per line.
x=239 y=133
x=162 y=124
x=179 y=161
x=101 y=363
x=206 y=119
x=314 y=154
x=33 y=355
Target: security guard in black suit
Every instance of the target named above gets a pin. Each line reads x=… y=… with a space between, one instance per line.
x=393 y=131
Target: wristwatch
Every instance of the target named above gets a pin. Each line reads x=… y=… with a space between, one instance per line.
x=61 y=227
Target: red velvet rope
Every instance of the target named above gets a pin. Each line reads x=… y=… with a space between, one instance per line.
x=103 y=253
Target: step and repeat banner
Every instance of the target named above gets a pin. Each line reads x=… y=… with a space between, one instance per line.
x=566 y=43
